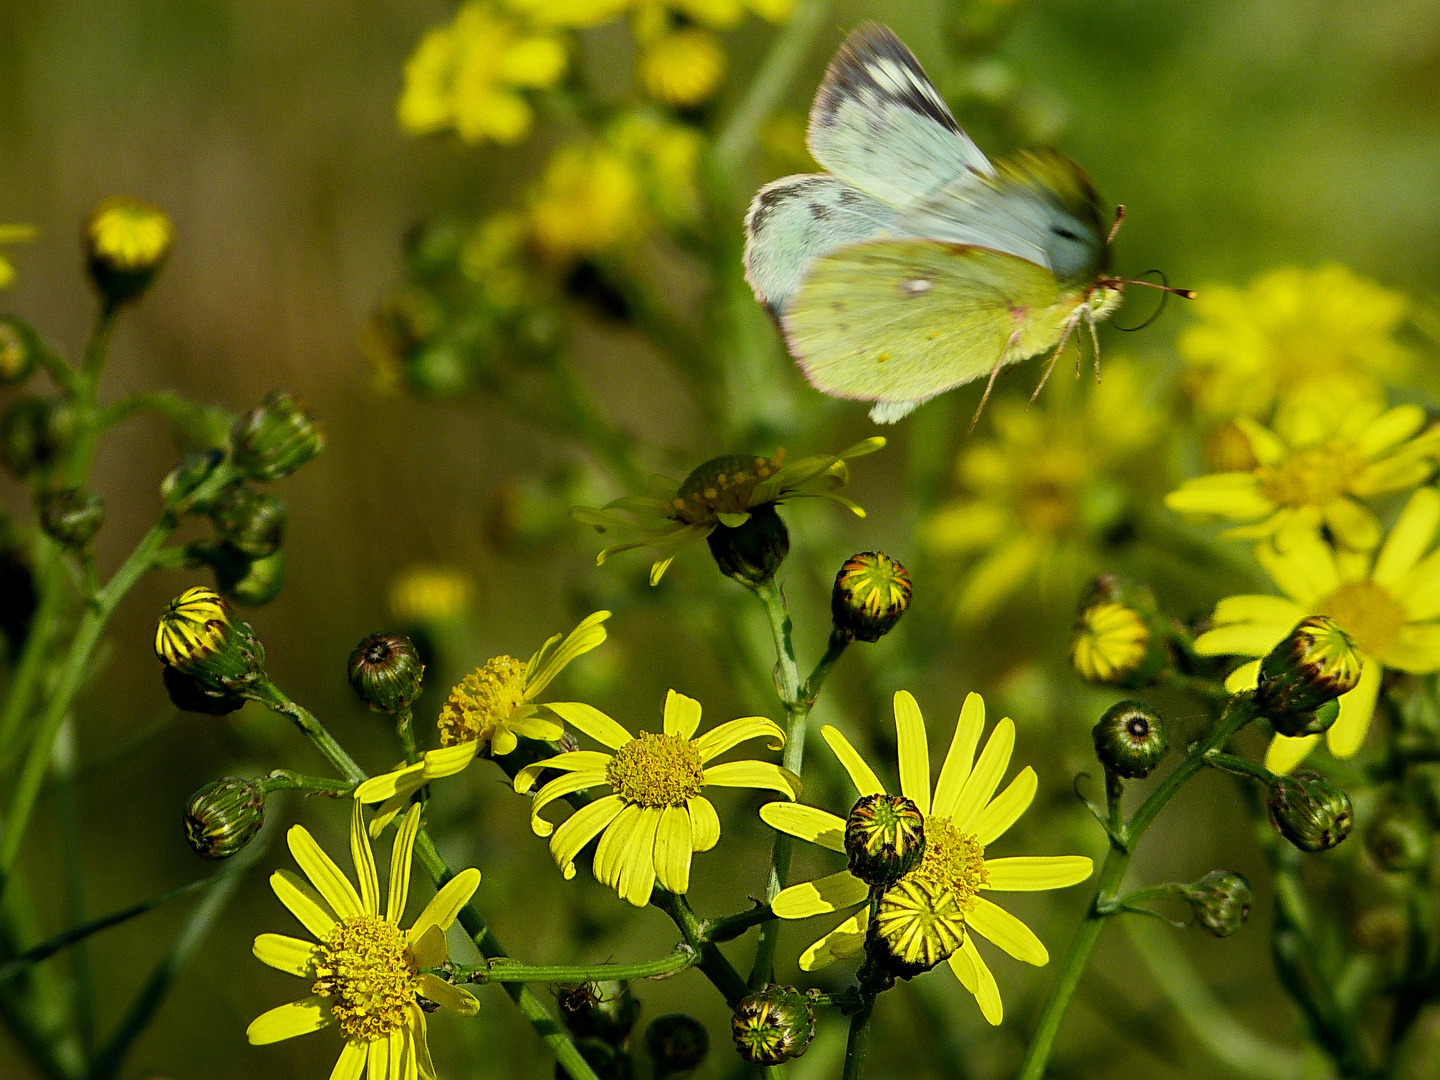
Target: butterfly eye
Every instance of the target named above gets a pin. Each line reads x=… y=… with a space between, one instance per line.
x=1063 y=233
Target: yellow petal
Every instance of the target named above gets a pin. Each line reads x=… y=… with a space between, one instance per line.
x=446 y=995
x=1416 y=649
x=613 y=847
x=1233 y=495
x=998 y=575
x=586 y=636
x=1242 y=639
x=1410 y=538
x=378 y=1062
x=846 y=940
x=682 y=715
x=673 y=848
x=913 y=750
x=1419 y=593
x=1305 y=573
x=304 y=903
x=1244 y=677
x=1036 y=873
x=387 y=785
x=572 y=761
x=591 y=721
x=558 y=789
x=733 y=732
x=1252 y=608
x=985 y=777
x=1390 y=429
x=1353 y=525
x=817 y=897
x=1285 y=752
x=1267 y=447
x=400 y=856
x=1005 y=809
x=402 y=1054
x=364 y=860
x=1356 y=709
x=637 y=872
x=323 y=873
x=449 y=760
x=430 y=949
x=529 y=721
x=806 y=822
x=286 y=954
x=286 y=1021
x=986 y=991
x=705 y=823
x=420 y=1035
x=960 y=756
x=861 y=775
x=1012 y=935
x=754 y=774
x=446 y=904
x=580 y=828
x=351 y=1062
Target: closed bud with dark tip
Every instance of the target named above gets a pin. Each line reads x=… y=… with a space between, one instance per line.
x=275 y=438
x=677 y=1043
x=752 y=551
x=252 y=522
x=385 y=671
x=917 y=924
x=252 y=582
x=223 y=816
x=1310 y=811
x=773 y=1025
x=194 y=469
x=870 y=594
x=884 y=838
x=71 y=516
x=1130 y=739
x=126 y=243
x=199 y=634
x=1220 y=900
x=605 y=1010
x=1399 y=839
x=1314 y=664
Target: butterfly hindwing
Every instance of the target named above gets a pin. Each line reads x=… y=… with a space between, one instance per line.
x=880 y=124
x=898 y=321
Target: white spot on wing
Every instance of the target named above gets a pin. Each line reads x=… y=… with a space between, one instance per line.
x=916 y=286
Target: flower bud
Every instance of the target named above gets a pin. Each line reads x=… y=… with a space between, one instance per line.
x=871 y=592
x=608 y=1062
x=126 y=243
x=753 y=551
x=223 y=816
x=885 y=838
x=1316 y=663
x=194 y=469
x=252 y=582
x=19 y=350
x=385 y=671
x=1118 y=638
x=200 y=635
x=677 y=1043
x=250 y=521
x=599 y=1010
x=1130 y=739
x=1220 y=900
x=1399 y=839
x=34 y=431
x=773 y=1025
x=1310 y=811
x=188 y=694
x=917 y=924
x=275 y=438
x=71 y=516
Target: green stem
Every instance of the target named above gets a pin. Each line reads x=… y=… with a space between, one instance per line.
x=166 y=403
x=276 y=700
x=712 y=961
x=857 y=1042
x=285 y=780
x=86 y=396
x=67 y=805
x=405 y=731
x=26 y=674
x=1241 y=766
x=508 y=971
x=730 y=927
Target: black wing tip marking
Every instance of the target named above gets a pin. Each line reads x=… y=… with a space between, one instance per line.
x=850 y=72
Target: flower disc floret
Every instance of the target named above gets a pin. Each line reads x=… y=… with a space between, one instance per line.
x=367 y=969
x=482 y=701
x=953 y=860
x=656 y=770
x=723 y=485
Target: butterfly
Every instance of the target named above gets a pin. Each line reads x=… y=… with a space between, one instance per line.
x=915 y=264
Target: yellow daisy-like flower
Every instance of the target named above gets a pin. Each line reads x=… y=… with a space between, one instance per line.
x=1389 y=605
x=1313 y=473
x=683 y=66
x=666 y=159
x=587 y=202
x=425 y=593
x=468 y=76
x=491 y=708
x=1039 y=491
x=366 y=973
x=1109 y=640
x=963 y=817
x=725 y=492
x=1297 y=338
x=656 y=816
x=12 y=234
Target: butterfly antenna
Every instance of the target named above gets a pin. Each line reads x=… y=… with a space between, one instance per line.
x=1115 y=228
x=1165 y=289
x=994 y=373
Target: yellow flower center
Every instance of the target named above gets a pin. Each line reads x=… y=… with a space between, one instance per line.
x=130 y=235
x=1110 y=640
x=722 y=485
x=368 y=973
x=1049 y=497
x=1367 y=612
x=656 y=770
x=483 y=702
x=953 y=860
x=1314 y=476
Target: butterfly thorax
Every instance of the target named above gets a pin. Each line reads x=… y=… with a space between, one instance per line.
x=1049 y=184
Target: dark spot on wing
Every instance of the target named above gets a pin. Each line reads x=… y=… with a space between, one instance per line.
x=820 y=212
x=850 y=77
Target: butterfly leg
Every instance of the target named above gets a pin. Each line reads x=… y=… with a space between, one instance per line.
x=994 y=373
x=1095 y=342
x=1054 y=358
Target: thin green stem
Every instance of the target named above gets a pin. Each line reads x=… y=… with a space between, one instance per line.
x=276 y=700
x=67 y=805
x=1240 y=766
x=405 y=732
x=712 y=961
x=510 y=971
x=729 y=927
x=86 y=396
x=285 y=780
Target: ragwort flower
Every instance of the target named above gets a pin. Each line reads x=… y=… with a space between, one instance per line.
x=367 y=975
x=724 y=492
x=1312 y=472
x=1388 y=604
x=12 y=234
x=656 y=816
x=963 y=817
x=489 y=709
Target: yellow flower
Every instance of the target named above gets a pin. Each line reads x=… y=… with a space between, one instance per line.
x=656 y=816
x=665 y=158
x=567 y=13
x=682 y=66
x=963 y=817
x=423 y=594
x=467 y=76
x=12 y=234
x=366 y=972
x=1109 y=640
x=587 y=202
x=1294 y=337
x=489 y=709
x=1040 y=490
x=1312 y=473
x=128 y=235
x=1390 y=607
x=725 y=492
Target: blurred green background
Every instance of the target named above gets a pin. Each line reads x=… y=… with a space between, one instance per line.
x=1240 y=135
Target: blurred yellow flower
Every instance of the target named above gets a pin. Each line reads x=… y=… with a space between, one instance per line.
x=423 y=594
x=681 y=67
x=1307 y=338
x=588 y=202
x=963 y=816
x=1313 y=472
x=12 y=234
x=1109 y=640
x=1040 y=490
x=467 y=76
x=494 y=258
x=665 y=157
x=567 y=13
x=1389 y=605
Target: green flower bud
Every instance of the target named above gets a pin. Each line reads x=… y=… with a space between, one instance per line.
x=607 y=1061
x=385 y=671
x=871 y=592
x=194 y=469
x=917 y=924
x=252 y=582
x=884 y=838
x=19 y=350
x=126 y=243
x=250 y=521
x=34 y=431
x=71 y=516
x=598 y=1010
x=1310 y=811
x=1316 y=663
x=751 y=552
x=200 y=635
x=222 y=817
x=275 y=438
x=1130 y=739
x=1399 y=839
x=677 y=1043
x=188 y=694
x=1220 y=900
x=1118 y=638
x=773 y=1025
